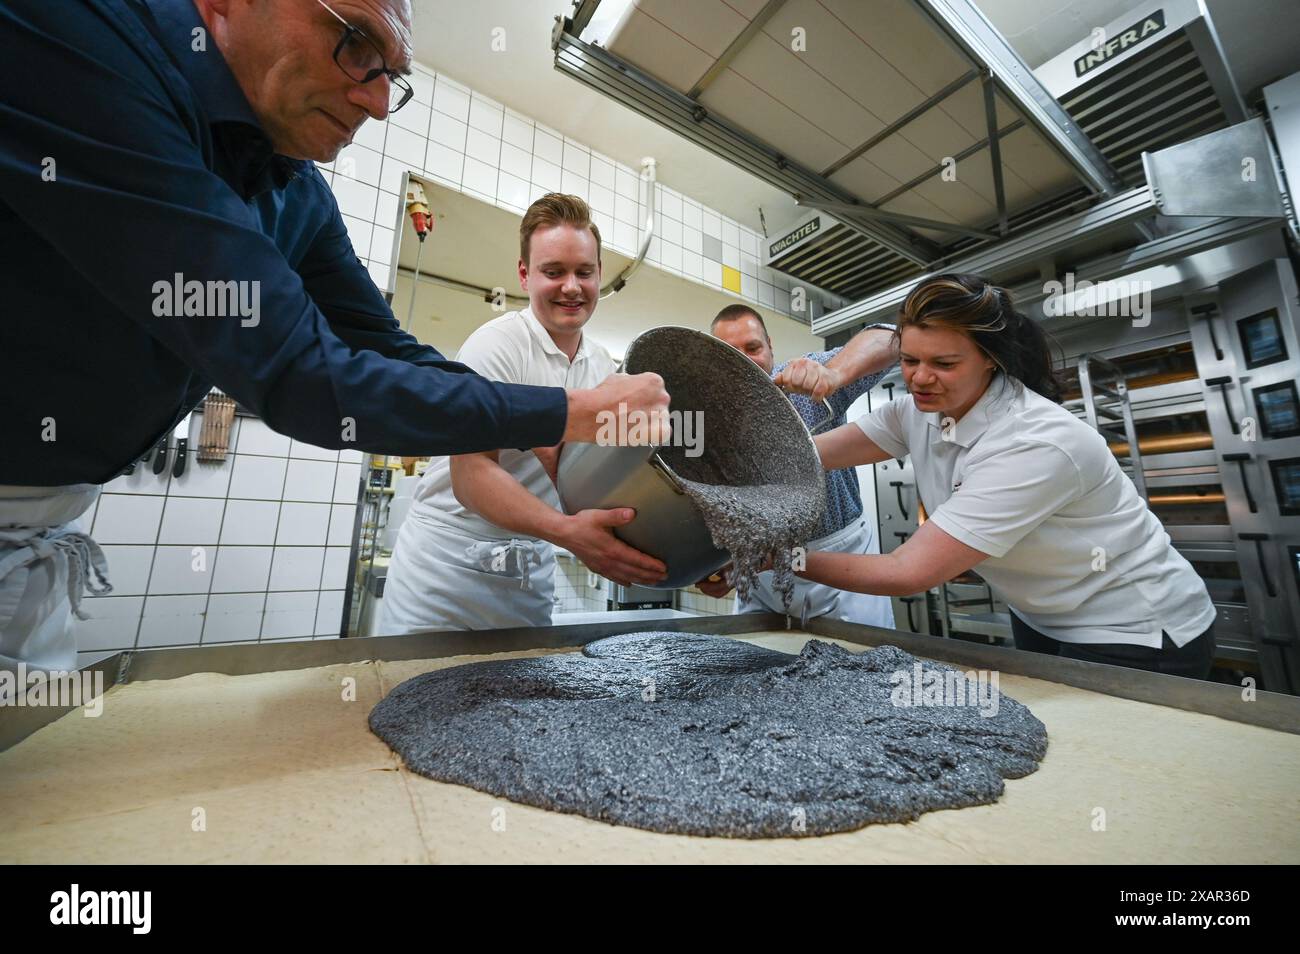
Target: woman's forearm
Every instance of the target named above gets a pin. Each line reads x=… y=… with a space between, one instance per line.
x=927 y=558
x=882 y=575
x=847 y=446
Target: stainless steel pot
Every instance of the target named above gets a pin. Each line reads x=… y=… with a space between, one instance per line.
x=752 y=434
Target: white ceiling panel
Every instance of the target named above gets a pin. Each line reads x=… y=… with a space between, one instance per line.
x=865 y=65
x=1035 y=162
x=780 y=124
x=897 y=32
x=663 y=52
x=705 y=25
x=967 y=199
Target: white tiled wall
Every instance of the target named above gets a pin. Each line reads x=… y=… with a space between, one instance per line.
x=693 y=601
x=577 y=590
x=452 y=135
x=251 y=549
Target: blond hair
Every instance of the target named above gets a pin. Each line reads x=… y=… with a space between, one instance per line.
x=555 y=208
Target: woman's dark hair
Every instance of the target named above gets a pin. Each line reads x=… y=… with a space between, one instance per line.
x=985 y=313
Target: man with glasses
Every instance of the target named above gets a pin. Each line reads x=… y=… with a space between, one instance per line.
x=164 y=230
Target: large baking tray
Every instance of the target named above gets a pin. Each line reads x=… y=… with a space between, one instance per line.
x=1268 y=709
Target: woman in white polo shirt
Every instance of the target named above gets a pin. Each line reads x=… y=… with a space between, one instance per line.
x=1020 y=490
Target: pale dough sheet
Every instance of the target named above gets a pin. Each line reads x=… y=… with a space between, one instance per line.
x=285 y=770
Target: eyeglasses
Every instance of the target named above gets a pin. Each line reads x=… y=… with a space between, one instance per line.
x=361 y=59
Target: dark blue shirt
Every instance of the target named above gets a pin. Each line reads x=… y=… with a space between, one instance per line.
x=128 y=158
x=843 y=495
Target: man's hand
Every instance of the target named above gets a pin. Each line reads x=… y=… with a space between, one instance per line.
x=589 y=535
x=624 y=408
x=550 y=461
x=806 y=376
x=718 y=585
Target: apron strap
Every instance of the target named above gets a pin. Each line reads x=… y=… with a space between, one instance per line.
x=85 y=559
x=495 y=558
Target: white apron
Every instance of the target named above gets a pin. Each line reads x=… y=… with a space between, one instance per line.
x=440 y=578
x=46 y=563
x=816 y=599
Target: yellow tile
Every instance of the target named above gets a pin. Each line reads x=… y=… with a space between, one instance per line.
x=730 y=279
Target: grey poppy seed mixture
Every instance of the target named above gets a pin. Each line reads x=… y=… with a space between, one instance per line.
x=754 y=522
x=758 y=484
x=704 y=735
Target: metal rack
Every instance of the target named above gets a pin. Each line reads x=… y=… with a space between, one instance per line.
x=374 y=495
x=1107 y=408
x=990 y=622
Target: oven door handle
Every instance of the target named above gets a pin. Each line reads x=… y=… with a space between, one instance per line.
x=1240 y=460
x=1222 y=384
x=1259 y=539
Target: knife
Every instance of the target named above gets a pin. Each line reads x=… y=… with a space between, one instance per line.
x=160 y=455
x=182 y=442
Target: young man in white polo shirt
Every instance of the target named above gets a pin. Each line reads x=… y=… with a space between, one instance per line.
x=476 y=550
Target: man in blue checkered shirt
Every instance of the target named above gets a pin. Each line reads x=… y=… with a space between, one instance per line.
x=839 y=376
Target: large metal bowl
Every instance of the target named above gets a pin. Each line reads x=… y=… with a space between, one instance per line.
x=752 y=435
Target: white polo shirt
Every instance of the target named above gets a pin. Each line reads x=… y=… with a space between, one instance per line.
x=1073 y=549
x=514 y=348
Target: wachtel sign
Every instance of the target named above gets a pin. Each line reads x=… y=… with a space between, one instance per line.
x=1123 y=41
x=798 y=235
